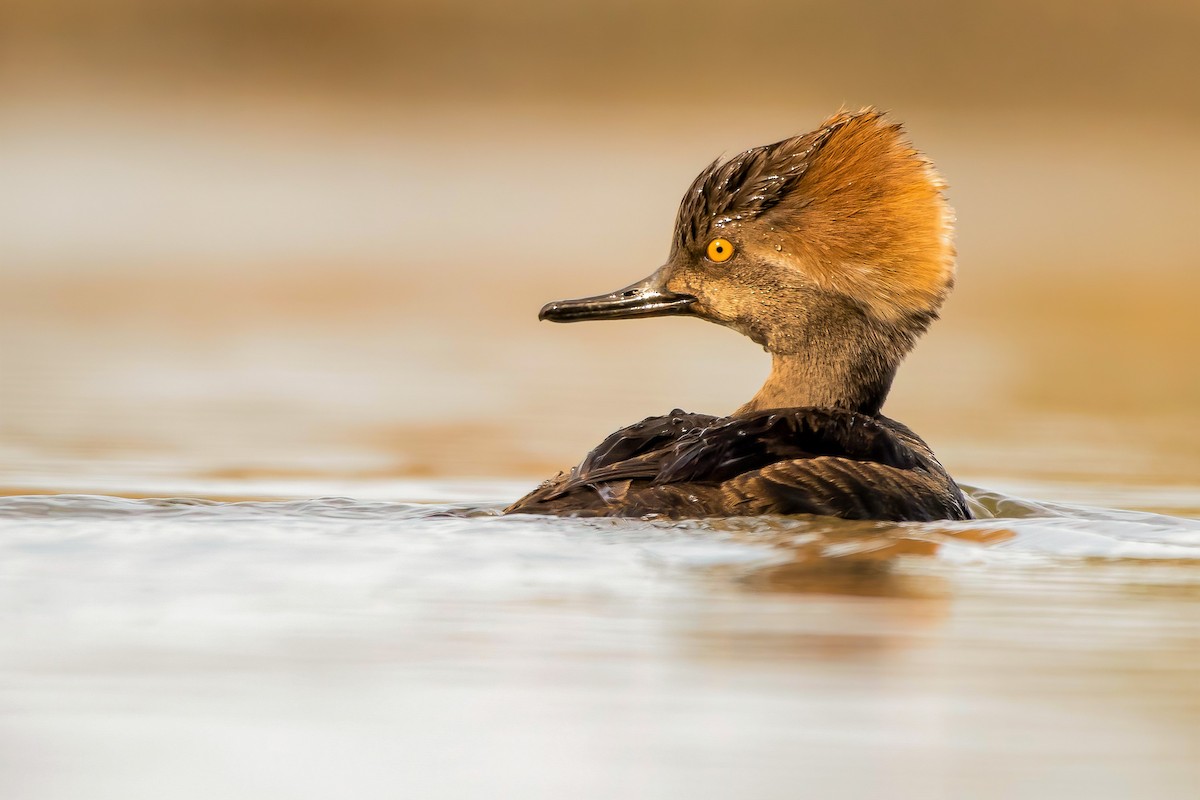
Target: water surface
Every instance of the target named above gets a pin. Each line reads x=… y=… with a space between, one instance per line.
x=425 y=646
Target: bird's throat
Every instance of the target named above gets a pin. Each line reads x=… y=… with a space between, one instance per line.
x=852 y=372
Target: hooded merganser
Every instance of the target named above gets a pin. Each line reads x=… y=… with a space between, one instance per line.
x=833 y=250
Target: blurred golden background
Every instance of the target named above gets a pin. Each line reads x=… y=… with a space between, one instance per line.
x=267 y=238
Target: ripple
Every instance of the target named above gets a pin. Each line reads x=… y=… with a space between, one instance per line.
x=1006 y=527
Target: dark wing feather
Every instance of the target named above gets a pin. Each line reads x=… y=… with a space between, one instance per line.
x=742 y=444
x=786 y=461
x=643 y=437
x=636 y=451
x=844 y=488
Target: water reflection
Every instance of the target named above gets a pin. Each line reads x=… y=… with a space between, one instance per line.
x=859 y=559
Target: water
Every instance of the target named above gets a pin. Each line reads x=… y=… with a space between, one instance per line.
x=432 y=648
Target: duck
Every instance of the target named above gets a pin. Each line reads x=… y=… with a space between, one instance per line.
x=834 y=251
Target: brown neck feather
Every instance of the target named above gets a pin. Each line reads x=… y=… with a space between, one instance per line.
x=848 y=363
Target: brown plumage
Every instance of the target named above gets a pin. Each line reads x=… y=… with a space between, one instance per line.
x=833 y=251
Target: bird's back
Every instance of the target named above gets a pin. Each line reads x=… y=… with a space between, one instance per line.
x=780 y=461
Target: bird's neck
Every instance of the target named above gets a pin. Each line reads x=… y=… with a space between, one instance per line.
x=846 y=363
x=797 y=381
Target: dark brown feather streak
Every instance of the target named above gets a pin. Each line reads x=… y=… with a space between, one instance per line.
x=747 y=185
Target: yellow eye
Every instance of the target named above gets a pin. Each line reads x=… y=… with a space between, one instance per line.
x=720 y=250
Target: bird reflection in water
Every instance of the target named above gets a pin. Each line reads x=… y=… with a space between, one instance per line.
x=860 y=559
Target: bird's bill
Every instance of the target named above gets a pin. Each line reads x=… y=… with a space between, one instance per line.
x=646 y=298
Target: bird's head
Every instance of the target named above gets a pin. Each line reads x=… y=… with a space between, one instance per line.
x=786 y=241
